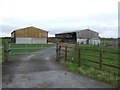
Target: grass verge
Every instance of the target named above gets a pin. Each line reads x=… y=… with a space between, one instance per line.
x=93 y=73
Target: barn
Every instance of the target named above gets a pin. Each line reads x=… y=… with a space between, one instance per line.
x=29 y=35
x=78 y=36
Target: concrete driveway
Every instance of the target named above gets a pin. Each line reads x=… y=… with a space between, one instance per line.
x=43 y=71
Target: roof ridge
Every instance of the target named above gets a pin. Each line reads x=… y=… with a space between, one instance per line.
x=77 y=31
x=29 y=27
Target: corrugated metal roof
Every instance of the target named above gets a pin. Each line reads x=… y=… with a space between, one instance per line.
x=76 y=31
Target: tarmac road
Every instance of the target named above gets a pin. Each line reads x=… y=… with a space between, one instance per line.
x=43 y=71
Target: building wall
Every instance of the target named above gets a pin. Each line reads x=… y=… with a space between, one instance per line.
x=31 y=40
x=66 y=37
x=87 y=34
x=82 y=41
x=39 y=40
x=23 y=41
x=94 y=41
x=31 y=32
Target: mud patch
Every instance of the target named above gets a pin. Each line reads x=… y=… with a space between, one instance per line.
x=35 y=58
x=45 y=85
x=28 y=57
x=24 y=76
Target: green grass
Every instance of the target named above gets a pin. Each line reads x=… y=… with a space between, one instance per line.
x=87 y=71
x=93 y=73
x=0 y=42
x=0 y=55
x=1 y=50
x=96 y=53
x=4 y=40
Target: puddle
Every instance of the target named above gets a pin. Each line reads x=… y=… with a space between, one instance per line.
x=47 y=58
x=28 y=57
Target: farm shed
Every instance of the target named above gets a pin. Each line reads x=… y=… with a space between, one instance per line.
x=51 y=39
x=29 y=35
x=94 y=41
x=79 y=36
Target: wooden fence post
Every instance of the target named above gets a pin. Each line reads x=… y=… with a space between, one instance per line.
x=76 y=47
x=6 y=51
x=79 y=56
x=100 y=60
x=57 y=51
x=65 y=54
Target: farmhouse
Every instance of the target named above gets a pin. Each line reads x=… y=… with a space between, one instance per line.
x=85 y=36
x=29 y=35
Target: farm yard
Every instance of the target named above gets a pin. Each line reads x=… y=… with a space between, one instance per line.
x=20 y=50
x=41 y=70
x=60 y=44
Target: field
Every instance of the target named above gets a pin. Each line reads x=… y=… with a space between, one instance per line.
x=4 y=40
x=91 y=72
x=96 y=53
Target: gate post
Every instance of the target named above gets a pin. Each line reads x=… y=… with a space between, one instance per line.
x=6 y=51
x=100 y=67
x=57 y=51
x=79 y=50
x=65 y=54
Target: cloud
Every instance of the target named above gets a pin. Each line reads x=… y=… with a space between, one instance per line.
x=6 y=30
x=53 y=8
x=60 y=15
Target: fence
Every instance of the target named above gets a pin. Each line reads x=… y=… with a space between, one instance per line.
x=76 y=54
x=110 y=43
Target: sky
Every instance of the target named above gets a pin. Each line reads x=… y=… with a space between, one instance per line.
x=58 y=16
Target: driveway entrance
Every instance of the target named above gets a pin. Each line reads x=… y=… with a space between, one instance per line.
x=41 y=70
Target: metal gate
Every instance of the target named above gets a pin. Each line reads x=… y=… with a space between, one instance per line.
x=20 y=49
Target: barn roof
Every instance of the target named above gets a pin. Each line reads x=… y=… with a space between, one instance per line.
x=29 y=27
x=77 y=31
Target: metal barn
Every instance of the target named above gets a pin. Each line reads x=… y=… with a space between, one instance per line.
x=79 y=36
x=29 y=35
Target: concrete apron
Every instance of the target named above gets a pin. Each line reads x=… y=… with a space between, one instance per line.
x=43 y=71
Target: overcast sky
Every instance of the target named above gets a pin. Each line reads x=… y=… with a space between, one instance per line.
x=60 y=15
